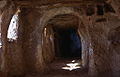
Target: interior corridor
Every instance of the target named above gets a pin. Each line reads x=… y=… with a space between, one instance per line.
x=67 y=47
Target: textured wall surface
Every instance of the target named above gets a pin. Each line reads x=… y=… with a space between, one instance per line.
x=12 y=60
x=28 y=54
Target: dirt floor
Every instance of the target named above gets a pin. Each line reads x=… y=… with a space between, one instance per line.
x=57 y=71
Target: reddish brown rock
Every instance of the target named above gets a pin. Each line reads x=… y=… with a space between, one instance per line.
x=34 y=50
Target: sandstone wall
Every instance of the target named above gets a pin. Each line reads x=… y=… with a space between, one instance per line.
x=33 y=23
x=12 y=60
x=99 y=35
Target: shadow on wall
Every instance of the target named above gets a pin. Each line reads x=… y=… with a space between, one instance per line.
x=68 y=41
x=114 y=38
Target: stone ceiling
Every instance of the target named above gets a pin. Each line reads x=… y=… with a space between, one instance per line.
x=51 y=2
x=64 y=21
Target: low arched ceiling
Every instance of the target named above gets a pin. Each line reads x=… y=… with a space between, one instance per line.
x=66 y=3
x=64 y=21
x=50 y=14
x=36 y=3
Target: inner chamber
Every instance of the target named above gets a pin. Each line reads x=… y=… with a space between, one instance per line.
x=67 y=41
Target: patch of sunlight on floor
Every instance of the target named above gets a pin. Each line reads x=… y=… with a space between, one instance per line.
x=72 y=66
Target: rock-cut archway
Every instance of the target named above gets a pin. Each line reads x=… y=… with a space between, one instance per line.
x=61 y=39
x=82 y=31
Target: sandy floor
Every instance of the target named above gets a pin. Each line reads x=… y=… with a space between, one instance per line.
x=57 y=71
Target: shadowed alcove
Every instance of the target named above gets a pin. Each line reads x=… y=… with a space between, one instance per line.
x=67 y=43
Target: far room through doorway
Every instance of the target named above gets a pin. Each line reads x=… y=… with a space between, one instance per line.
x=67 y=43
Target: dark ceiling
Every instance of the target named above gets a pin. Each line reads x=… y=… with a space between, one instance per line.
x=64 y=21
x=50 y=2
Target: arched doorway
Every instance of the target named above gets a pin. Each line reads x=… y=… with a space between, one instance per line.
x=62 y=42
x=47 y=21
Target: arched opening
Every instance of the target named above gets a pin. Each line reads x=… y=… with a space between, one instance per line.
x=12 y=33
x=66 y=38
x=61 y=33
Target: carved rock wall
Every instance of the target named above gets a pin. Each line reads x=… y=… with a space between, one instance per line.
x=99 y=34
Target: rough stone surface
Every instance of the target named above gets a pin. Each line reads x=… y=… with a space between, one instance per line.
x=34 y=50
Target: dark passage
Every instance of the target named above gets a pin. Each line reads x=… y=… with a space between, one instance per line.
x=67 y=42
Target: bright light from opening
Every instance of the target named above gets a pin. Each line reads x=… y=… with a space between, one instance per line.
x=45 y=32
x=13 y=28
x=0 y=44
x=73 y=61
x=0 y=31
x=0 y=41
x=72 y=66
